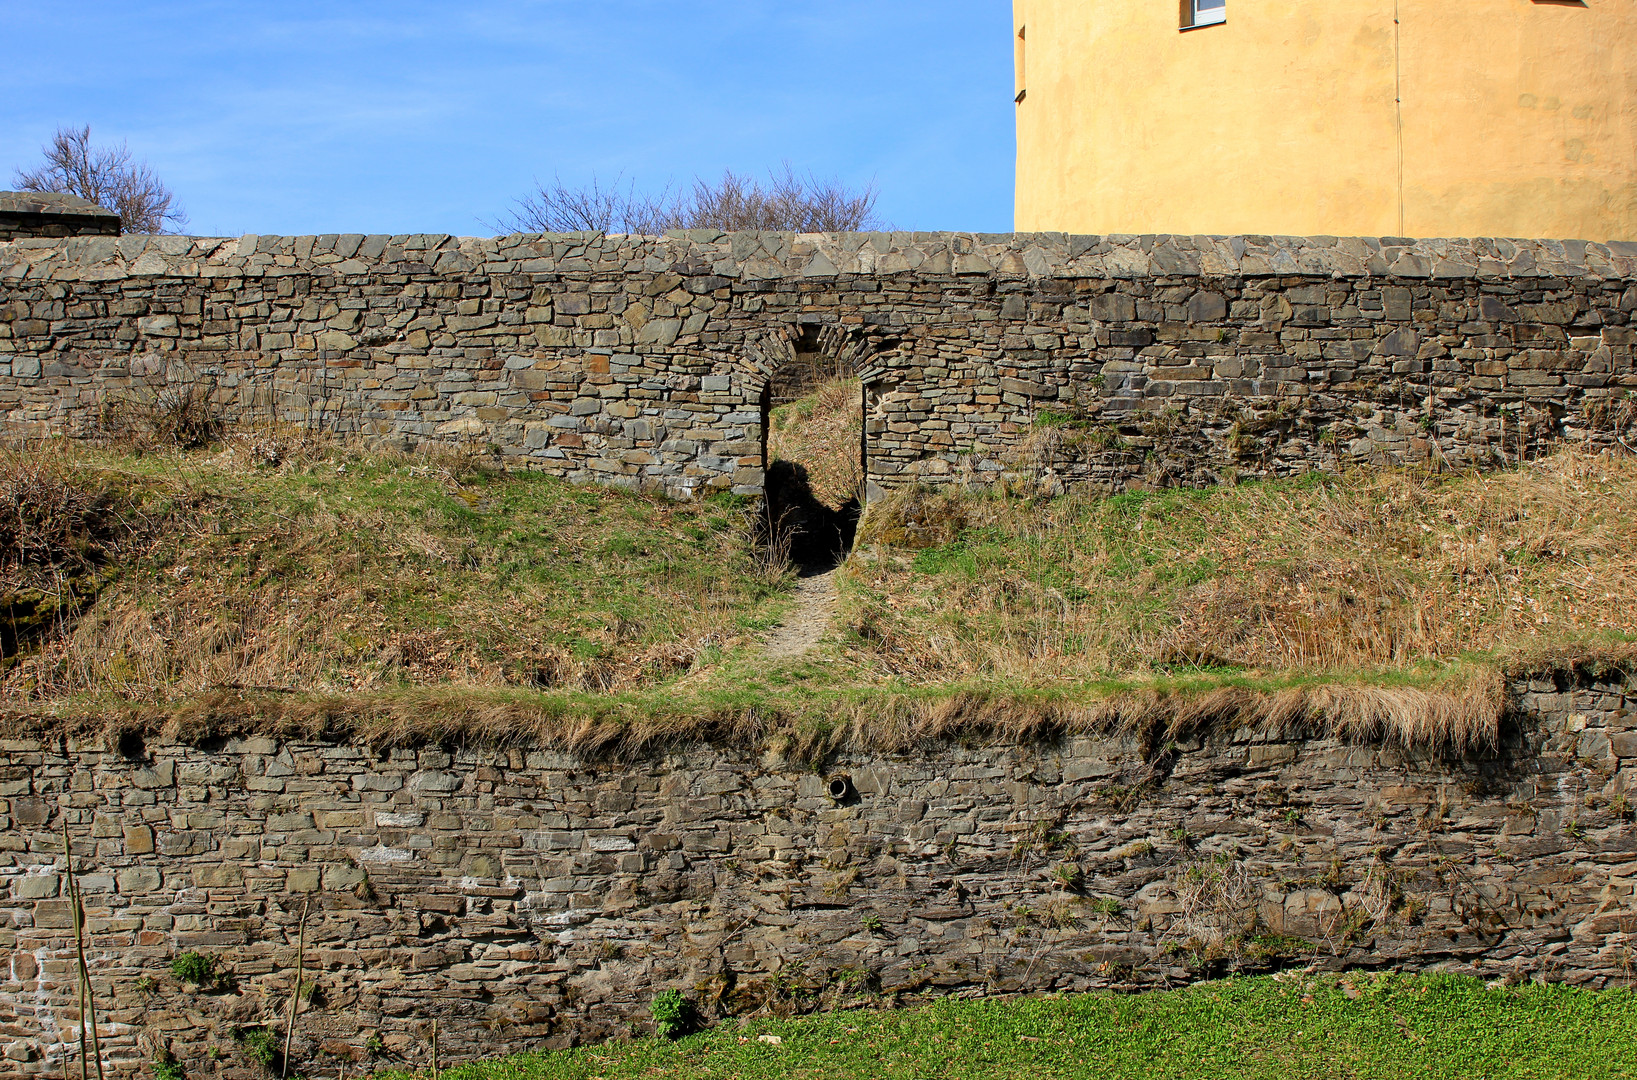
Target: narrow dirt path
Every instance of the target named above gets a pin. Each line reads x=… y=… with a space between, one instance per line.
x=807 y=621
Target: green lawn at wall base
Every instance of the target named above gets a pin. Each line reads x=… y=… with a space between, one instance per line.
x=1371 y=1027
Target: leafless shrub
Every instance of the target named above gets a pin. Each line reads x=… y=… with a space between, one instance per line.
x=183 y=417
x=558 y=208
x=178 y=416
x=107 y=176
x=787 y=202
x=48 y=521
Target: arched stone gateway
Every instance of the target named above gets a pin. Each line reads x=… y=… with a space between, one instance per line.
x=815 y=449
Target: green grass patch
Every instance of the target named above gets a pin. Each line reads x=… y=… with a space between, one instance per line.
x=1360 y=1026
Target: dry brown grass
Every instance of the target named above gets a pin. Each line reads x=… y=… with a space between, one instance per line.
x=1462 y=715
x=1372 y=571
x=62 y=531
x=397 y=600
x=822 y=432
x=53 y=523
x=353 y=572
x=175 y=417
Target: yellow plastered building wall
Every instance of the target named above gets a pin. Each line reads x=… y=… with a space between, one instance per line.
x=1454 y=118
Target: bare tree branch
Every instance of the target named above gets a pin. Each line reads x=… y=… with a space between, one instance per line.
x=788 y=202
x=107 y=176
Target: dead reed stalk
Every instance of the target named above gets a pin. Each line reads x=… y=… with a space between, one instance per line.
x=295 y=992
x=87 y=1002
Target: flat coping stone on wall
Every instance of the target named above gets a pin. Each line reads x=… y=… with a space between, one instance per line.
x=51 y=213
x=50 y=202
x=770 y=255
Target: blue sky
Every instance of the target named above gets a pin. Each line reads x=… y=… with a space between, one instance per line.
x=412 y=116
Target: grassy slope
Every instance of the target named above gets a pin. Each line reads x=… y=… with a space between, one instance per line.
x=1376 y=570
x=426 y=598
x=353 y=573
x=1375 y=1027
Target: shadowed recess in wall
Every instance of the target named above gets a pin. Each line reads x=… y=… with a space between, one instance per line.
x=813 y=415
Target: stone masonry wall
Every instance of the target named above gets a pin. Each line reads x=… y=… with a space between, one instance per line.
x=1193 y=380
x=642 y=361
x=531 y=899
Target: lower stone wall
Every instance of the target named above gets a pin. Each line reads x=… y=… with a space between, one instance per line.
x=529 y=899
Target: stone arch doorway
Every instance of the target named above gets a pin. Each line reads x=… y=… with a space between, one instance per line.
x=814 y=449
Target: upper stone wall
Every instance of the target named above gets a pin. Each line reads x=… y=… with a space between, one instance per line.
x=643 y=361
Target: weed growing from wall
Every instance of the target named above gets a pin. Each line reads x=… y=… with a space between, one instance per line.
x=195 y=968
x=673 y=1014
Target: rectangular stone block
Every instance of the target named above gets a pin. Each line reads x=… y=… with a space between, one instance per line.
x=138 y=880
x=219 y=876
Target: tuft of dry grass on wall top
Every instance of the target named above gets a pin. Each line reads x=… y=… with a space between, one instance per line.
x=1461 y=714
x=1456 y=714
x=1371 y=571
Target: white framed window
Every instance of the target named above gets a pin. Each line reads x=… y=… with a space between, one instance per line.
x=1203 y=13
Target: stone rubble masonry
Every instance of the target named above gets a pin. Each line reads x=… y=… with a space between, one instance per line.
x=641 y=361
x=33 y=214
x=532 y=899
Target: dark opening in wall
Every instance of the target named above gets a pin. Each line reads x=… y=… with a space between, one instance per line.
x=813 y=452
x=132 y=746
